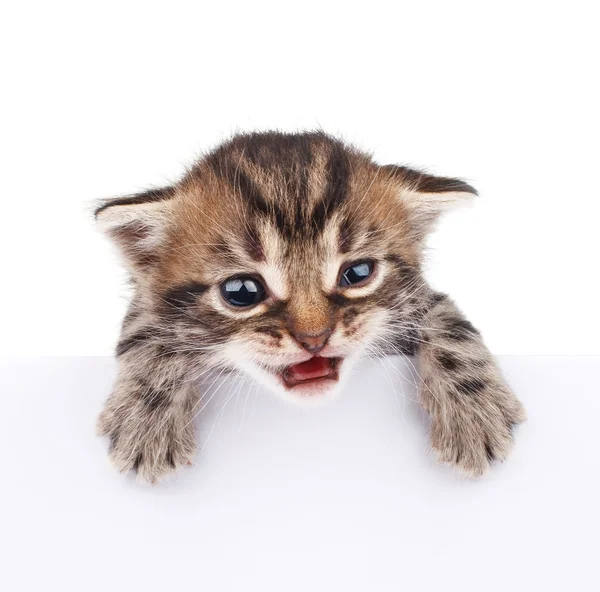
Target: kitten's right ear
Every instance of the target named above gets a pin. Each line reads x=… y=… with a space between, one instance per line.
x=425 y=197
x=137 y=223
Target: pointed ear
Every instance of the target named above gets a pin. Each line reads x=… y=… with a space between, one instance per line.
x=137 y=223
x=425 y=197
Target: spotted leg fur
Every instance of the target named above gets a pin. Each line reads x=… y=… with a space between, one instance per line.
x=148 y=417
x=473 y=411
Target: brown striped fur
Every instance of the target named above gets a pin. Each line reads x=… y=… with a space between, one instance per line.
x=291 y=210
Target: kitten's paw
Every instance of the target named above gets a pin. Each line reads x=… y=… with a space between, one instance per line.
x=151 y=450
x=472 y=437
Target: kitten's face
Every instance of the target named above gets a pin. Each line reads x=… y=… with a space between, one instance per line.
x=284 y=256
x=299 y=316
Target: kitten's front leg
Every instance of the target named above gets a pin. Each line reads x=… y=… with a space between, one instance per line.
x=473 y=411
x=148 y=417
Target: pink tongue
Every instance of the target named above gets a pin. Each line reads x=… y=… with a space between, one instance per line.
x=313 y=368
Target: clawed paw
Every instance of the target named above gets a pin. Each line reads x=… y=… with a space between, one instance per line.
x=471 y=439
x=151 y=450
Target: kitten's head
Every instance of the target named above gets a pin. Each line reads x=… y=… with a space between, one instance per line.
x=286 y=256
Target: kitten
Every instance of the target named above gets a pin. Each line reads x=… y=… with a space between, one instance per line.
x=288 y=257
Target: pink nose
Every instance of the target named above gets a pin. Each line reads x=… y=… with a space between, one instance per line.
x=313 y=343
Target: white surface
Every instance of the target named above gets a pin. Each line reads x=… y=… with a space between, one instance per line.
x=341 y=497
x=106 y=98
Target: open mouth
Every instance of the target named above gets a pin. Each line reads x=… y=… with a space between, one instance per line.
x=315 y=370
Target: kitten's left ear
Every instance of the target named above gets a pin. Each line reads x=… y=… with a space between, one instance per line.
x=425 y=197
x=137 y=223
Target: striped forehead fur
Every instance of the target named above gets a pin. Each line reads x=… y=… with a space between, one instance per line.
x=278 y=192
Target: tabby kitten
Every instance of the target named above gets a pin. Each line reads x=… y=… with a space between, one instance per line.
x=288 y=257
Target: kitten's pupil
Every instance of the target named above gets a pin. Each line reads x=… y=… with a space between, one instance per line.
x=243 y=291
x=357 y=273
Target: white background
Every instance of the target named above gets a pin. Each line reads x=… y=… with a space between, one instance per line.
x=106 y=98
x=342 y=497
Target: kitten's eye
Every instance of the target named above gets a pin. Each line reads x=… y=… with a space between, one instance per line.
x=356 y=273
x=243 y=291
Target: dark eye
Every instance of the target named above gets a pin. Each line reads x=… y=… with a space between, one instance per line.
x=356 y=273
x=243 y=291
